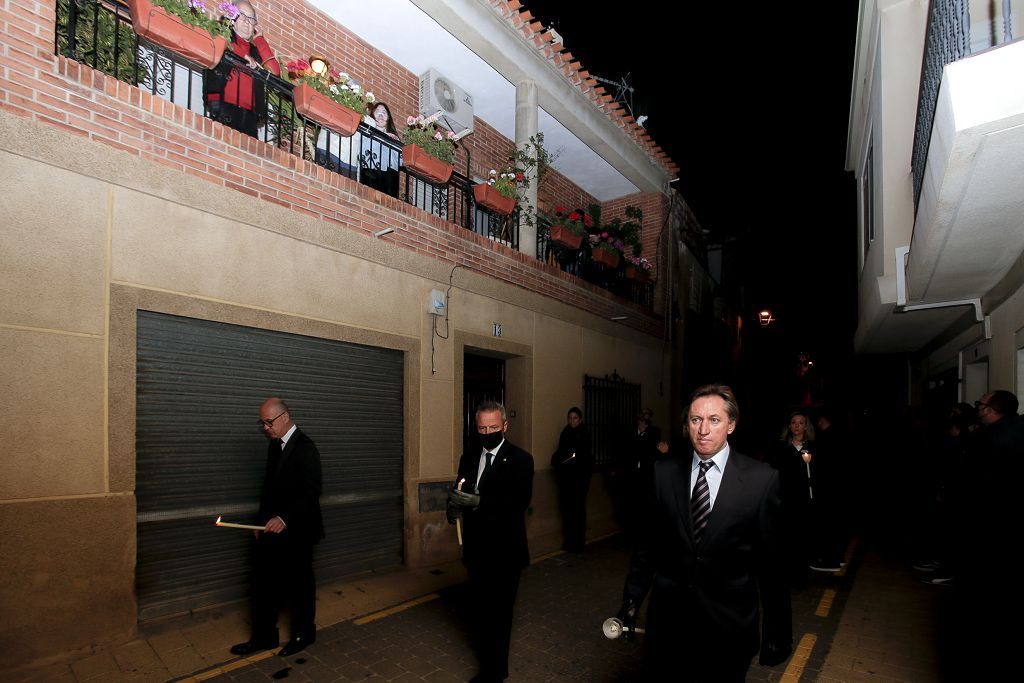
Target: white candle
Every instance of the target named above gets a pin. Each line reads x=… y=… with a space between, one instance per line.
x=458 y=520
x=232 y=525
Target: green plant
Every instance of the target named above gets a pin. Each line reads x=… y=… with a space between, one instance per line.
x=195 y=12
x=534 y=160
x=337 y=85
x=425 y=134
x=508 y=182
x=99 y=41
x=625 y=232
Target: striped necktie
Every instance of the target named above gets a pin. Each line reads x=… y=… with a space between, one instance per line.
x=700 y=502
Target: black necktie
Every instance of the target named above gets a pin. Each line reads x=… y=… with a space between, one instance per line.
x=700 y=502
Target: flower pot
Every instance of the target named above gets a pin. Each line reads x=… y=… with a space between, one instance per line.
x=486 y=196
x=322 y=109
x=422 y=164
x=606 y=258
x=168 y=31
x=562 y=235
x=634 y=273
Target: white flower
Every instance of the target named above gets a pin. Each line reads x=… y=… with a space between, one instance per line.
x=355 y=87
x=343 y=77
x=334 y=89
x=345 y=87
x=492 y=173
x=370 y=98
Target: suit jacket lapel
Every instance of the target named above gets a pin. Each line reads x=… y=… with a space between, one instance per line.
x=681 y=490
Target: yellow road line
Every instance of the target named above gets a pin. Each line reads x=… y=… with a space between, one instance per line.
x=395 y=610
x=825 y=604
x=230 y=666
x=795 y=668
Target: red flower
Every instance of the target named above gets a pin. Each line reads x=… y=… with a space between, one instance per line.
x=574 y=216
x=519 y=176
x=559 y=210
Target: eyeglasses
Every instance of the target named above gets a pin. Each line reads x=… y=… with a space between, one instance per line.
x=267 y=424
x=249 y=20
x=979 y=404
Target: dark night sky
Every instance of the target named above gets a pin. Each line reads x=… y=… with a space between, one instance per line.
x=751 y=100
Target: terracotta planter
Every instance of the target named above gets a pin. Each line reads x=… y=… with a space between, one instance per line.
x=486 y=196
x=422 y=164
x=562 y=235
x=322 y=109
x=634 y=273
x=168 y=31
x=606 y=258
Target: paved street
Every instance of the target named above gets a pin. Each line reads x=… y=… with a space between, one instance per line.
x=562 y=602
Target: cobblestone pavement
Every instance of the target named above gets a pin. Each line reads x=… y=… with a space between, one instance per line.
x=563 y=600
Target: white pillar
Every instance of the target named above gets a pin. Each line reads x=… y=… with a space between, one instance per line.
x=526 y=127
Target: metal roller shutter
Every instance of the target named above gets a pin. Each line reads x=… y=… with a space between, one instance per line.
x=200 y=454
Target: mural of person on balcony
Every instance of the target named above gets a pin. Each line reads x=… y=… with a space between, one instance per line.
x=233 y=96
x=379 y=162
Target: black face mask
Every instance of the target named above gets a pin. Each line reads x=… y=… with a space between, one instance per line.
x=490 y=441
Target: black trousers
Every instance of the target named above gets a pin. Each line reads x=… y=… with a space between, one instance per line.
x=283 y=577
x=572 y=499
x=493 y=591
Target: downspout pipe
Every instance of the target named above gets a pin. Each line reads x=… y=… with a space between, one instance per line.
x=902 y=255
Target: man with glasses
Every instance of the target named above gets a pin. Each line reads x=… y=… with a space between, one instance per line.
x=232 y=95
x=290 y=511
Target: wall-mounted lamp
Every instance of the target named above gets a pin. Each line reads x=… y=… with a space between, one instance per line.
x=765 y=318
x=385 y=231
x=319 y=65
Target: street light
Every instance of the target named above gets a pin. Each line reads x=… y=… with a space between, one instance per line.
x=765 y=318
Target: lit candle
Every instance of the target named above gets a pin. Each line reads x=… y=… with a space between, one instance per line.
x=232 y=525
x=806 y=455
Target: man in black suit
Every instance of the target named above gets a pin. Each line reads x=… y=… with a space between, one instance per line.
x=632 y=471
x=290 y=511
x=710 y=544
x=492 y=493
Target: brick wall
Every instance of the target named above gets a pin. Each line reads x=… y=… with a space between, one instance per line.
x=60 y=92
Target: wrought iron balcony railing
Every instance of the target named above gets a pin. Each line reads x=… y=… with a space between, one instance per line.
x=949 y=39
x=99 y=33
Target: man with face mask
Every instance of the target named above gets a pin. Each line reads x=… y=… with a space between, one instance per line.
x=493 y=490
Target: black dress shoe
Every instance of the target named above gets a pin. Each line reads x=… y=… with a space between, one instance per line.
x=296 y=645
x=250 y=646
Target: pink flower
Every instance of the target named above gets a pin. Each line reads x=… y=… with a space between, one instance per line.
x=438 y=136
x=411 y=121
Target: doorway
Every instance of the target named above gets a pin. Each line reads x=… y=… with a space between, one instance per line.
x=483 y=380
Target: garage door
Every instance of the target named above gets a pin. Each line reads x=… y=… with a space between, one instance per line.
x=200 y=453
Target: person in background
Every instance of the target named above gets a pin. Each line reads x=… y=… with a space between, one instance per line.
x=795 y=481
x=632 y=471
x=573 y=463
x=379 y=162
x=234 y=96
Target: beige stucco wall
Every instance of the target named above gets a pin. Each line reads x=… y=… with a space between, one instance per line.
x=92 y=235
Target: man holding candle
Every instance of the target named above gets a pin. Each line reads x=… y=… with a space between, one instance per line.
x=496 y=487
x=710 y=553
x=293 y=524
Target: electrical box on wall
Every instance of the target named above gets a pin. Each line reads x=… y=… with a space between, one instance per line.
x=436 y=304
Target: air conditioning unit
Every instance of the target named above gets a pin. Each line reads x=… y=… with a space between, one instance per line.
x=438 y=93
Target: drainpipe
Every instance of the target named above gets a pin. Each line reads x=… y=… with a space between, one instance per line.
x=902 y=255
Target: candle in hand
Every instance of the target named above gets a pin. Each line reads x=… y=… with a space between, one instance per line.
x=231 y=525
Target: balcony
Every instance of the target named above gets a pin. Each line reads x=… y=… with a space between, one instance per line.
x=99 y=34
x=968 y=153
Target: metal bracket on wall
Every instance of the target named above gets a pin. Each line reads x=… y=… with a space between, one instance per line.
x=902 y=254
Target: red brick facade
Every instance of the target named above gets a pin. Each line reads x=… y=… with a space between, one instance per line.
x=55 y=90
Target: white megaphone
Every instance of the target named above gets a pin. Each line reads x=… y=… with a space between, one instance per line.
x=613 y=628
